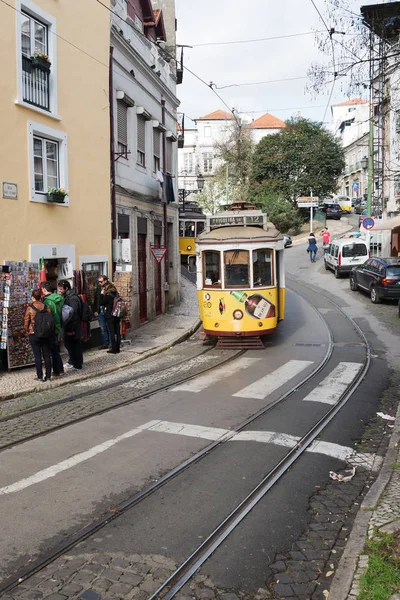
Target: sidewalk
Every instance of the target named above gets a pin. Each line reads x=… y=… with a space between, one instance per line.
x=154 y=337
x=335 y=227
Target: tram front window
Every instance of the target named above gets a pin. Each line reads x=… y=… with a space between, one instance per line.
x=200 y=227
x=181 y=229
x=237 y=268
x=262 y=267
x=211 y=268
x=190 y=228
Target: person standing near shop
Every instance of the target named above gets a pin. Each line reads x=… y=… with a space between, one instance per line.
x=99 y=313
x=72 y=331
x=55 y=302
x=107 y=296
x=40 y=343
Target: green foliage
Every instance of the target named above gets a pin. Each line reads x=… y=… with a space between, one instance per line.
x=212 y=197
x=382 y=577
x=281 y=211
x=302 y=157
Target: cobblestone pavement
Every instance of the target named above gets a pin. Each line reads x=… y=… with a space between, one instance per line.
x=158 y=334
x=54 y=415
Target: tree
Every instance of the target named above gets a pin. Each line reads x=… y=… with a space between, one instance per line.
x=212 y=197
x=302 y=157
x=280 y=211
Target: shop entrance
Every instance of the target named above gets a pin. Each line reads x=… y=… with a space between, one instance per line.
x=142 y=277
x=157 y=278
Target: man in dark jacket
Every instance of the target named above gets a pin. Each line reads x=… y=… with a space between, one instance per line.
x=72 y=331
x=107 y=297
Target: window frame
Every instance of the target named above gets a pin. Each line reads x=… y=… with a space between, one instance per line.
x=122 y=142
x=207 y=158
x=140 y=152
x=41 y=131
x=272 y=261
x=28 y=8
x=156 y=157
x=44 y=156
x=211 y=286
x=249 y=263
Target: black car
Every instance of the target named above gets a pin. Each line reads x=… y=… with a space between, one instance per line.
x=333 y=211
x=380 y=277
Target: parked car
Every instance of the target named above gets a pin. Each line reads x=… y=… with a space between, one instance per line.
x=287 y=240
x=380 y=277
x=332 y=211
x=342 y=254
x=360 y=207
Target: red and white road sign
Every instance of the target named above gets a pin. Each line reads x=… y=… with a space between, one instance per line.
x=158 y=253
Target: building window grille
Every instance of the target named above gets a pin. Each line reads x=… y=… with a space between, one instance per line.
x=141 y=141
x=46 y=164
x=35 y=73
x=122 y=128
x=188 y=162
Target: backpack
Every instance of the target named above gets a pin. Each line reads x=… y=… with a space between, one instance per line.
x=44 y=325
x=86 y=311
x=120 y=309
x=67 y=313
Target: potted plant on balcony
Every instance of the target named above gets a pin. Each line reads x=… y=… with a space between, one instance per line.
x=41 y=61
x=57 y=195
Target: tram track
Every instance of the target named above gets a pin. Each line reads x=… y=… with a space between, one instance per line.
x=184 y=573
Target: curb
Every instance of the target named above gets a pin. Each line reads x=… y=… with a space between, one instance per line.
x=343 y=579
x=154 y=351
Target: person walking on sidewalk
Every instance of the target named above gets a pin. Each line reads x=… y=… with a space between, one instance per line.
x=54 y=302
x=107 y=296
x=326 y=236
x=72 y=330
x=312 y=247
x=40 y=345
x=99 y=313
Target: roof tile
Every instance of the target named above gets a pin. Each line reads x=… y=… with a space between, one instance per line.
x=267 y=121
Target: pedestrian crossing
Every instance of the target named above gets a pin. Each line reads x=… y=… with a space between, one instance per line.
x=334 y=385
x=202 y=382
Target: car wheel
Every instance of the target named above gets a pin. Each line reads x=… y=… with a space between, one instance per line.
x=337 y=273
x=374 y=296
x=353 y=284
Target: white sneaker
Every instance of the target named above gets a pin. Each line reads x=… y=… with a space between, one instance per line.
x=68 y=367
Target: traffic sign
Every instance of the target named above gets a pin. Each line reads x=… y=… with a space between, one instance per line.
x=158 y=253
x=368 y=223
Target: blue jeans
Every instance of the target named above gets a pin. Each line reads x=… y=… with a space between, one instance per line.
x=55 y=355
x=105 y=334
x=313 y=255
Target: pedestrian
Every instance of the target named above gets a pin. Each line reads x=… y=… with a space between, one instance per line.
x=107 y=296
x=99 y=313
x=40 y=345
x=55 y=302
x=72 y=330
x=312 y=247
x=326 y=236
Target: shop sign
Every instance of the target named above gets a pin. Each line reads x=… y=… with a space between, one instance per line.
x=10 y=190
x=307 y=202
x=158 y=253
x=236 y=220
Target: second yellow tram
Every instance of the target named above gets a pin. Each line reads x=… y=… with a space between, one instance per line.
x=240 y=274
x=191 y=224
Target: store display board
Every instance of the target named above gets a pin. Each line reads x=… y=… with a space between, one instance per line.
x=4 y=305
x=23 y=277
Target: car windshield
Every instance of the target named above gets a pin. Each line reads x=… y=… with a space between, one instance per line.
x=393 y=271
x=354 y=250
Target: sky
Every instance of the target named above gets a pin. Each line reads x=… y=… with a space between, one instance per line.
x=210 y=21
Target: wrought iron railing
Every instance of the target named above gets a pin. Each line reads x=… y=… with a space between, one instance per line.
x=35 y=84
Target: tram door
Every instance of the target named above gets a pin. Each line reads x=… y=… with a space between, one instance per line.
x=157 y=278
x=142 y=275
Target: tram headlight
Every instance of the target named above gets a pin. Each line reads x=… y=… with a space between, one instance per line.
x=216 y=324
x=260 y=324
x=237 y=314
x=188 y=247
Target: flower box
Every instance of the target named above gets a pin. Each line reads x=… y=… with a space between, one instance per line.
x=38 y=62
x=57 y=198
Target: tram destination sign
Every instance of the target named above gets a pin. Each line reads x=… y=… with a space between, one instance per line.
x=241 y=220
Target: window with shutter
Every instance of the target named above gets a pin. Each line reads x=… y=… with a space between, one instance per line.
x=169 y=157
x=156 y=149
x=141 y=141
x=122 y=128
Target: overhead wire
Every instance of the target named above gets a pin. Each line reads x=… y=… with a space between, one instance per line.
x=251 y=41
x=223 y=87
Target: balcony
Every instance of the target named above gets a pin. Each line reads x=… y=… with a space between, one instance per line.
x=35 y=84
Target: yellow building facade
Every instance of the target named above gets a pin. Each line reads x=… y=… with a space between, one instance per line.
x=54 y=123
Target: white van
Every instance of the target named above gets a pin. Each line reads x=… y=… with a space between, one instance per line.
x=344 y=254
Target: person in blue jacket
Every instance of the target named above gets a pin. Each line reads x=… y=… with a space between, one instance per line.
x=312 y=248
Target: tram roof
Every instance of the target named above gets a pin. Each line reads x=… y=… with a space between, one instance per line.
x=241 y=234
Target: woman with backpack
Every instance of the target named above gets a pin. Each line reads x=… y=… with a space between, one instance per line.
x=39 y=325
x=107 y=297
x=312 y=247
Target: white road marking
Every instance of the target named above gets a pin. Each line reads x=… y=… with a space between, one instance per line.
x=333 y=386
x=198 y=431
x=203 y=381
x=271 y=382
x=72 y=462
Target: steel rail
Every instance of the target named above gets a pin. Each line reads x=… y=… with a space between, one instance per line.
x=192 y=564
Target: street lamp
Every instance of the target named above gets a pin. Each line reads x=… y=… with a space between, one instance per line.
x=364 y=163
x=200 y=182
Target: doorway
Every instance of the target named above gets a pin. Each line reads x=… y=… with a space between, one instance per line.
x=142 y=277
x=157 y=278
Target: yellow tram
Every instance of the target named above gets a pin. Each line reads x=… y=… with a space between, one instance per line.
x=240 y=274
x=191 y=224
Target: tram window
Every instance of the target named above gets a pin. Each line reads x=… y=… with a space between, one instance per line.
x=211 y=268
x=190 y=228
x=181 y=228
x=262 y=267
x=237 y=268
x=200 y=227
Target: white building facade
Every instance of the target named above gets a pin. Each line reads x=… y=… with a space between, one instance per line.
x=145 y=157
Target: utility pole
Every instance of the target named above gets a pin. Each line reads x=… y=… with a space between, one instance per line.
x=371 y=133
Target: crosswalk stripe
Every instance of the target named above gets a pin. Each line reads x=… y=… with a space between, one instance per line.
x=332 y=387
x=203 y=381
x=271 y=382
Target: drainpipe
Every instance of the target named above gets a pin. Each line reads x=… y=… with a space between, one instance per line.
x=112 y=161
x=164 y=143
